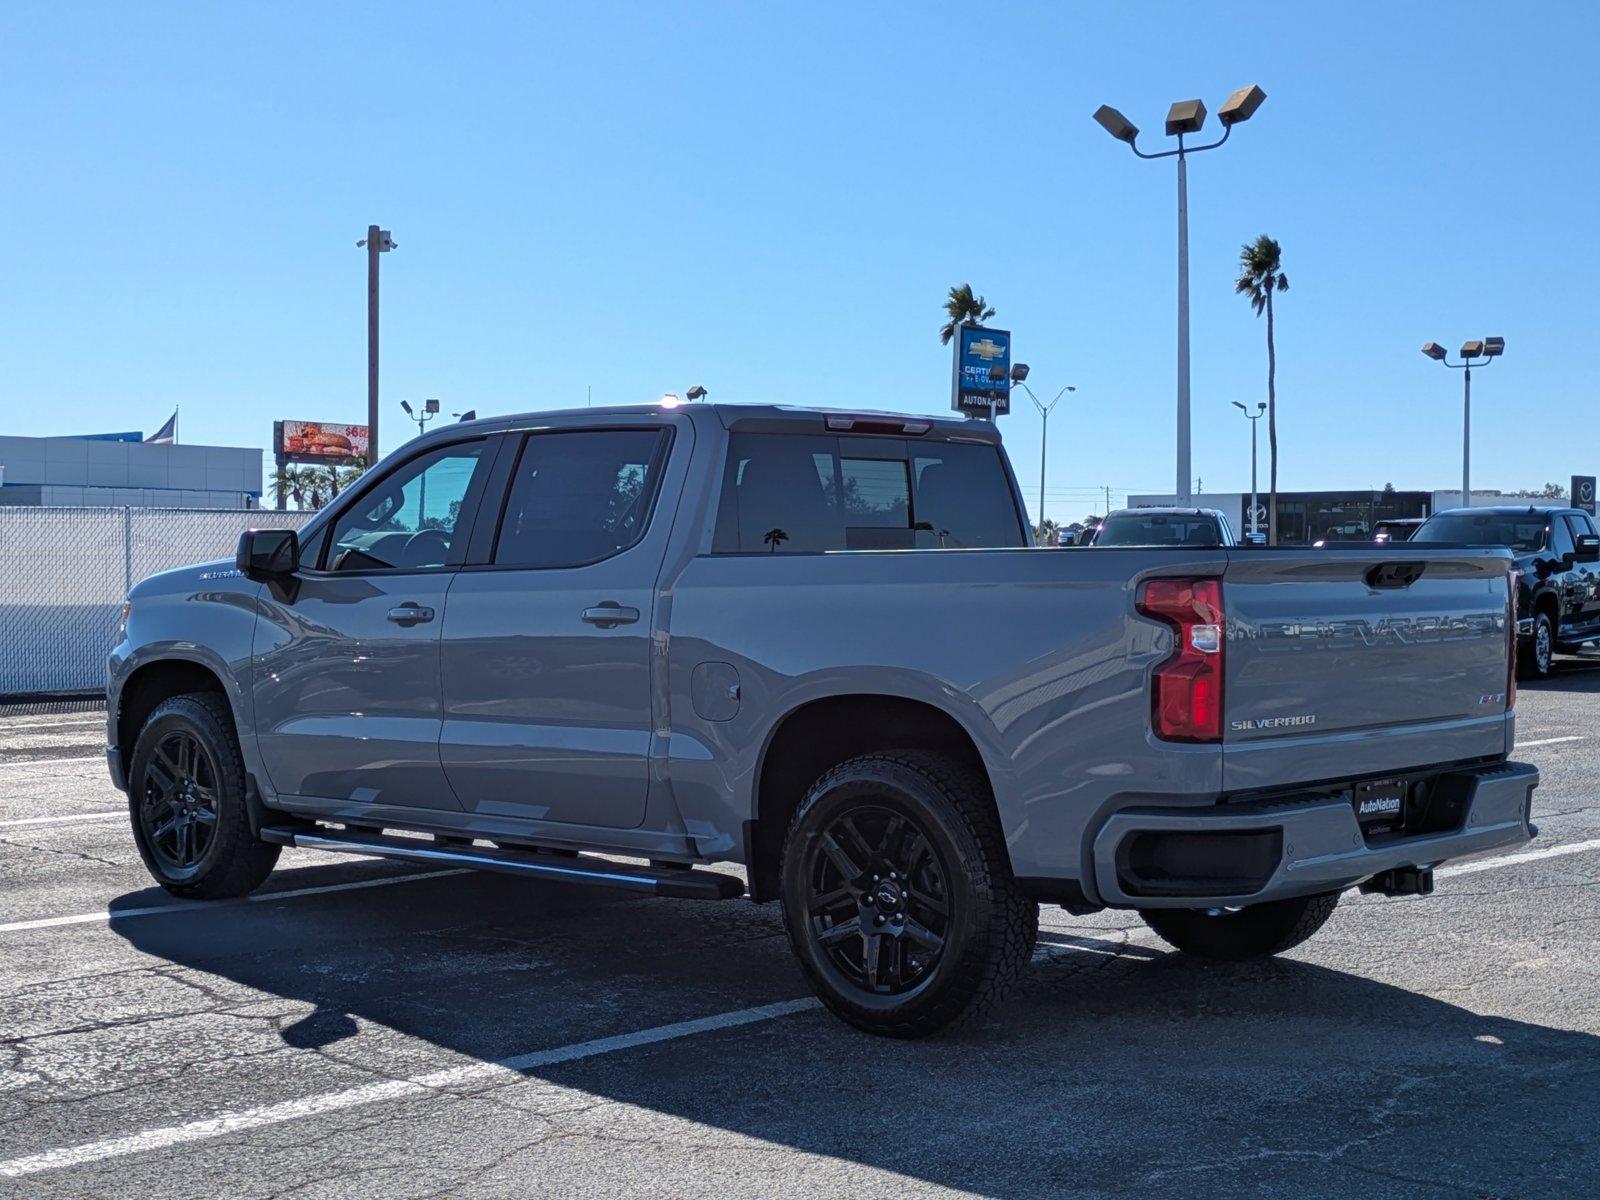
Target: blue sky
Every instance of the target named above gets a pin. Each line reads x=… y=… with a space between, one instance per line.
x=772 y=200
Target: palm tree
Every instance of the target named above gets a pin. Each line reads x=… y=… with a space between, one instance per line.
x=1261 y=274
x=963 y=308
x=291 y=483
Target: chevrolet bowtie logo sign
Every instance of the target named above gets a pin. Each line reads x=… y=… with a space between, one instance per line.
x=987 y=349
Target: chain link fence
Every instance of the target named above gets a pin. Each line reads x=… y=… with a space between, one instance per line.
x=65 y=571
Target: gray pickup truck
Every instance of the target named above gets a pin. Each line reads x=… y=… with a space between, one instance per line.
x=614 y=646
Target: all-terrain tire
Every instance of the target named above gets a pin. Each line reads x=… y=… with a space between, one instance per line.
x=233 y=862
x=988 y=926
x=1256 y=931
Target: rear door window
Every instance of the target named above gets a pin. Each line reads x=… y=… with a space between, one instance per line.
x=799 y=494
x=577 y=498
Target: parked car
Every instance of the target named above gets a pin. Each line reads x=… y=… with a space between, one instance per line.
x=818 y=645
x=1557 y=568
x=1165 y=527
x=1396 y=529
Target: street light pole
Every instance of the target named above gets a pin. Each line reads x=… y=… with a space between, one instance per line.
x=1261 y=407
x=1487 y=349
x=376 y=242
x=1044 y=425
x=1184 y=117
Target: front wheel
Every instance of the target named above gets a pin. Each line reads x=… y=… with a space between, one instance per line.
x=898 y=895
x=1238 y=934
x=1536 y=656
x=186 y=787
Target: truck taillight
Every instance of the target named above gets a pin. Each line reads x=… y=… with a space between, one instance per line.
x=1511 y=639
x=1186 y=700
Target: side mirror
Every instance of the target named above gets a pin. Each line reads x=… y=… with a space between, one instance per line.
x=268 y=554
x=1587 y=547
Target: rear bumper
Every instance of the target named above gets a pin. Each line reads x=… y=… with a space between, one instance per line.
x=1232 y=854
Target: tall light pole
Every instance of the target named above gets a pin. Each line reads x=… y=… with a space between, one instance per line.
x=1261 y=407
x=1019 y=376
x=1184 y=117
x=1487 y=350
x=376 y=242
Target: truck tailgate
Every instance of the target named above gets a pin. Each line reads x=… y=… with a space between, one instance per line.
x=1342 y=663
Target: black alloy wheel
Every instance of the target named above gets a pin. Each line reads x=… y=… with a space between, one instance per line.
x=877 y=901
x=187 y=791
x=178 y=809
x=898 y=896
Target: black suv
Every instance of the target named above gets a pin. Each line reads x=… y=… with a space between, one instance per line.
x=1558 y=565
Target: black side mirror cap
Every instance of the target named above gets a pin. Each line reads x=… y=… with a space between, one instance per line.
x=1588 y=547
x=268 y=554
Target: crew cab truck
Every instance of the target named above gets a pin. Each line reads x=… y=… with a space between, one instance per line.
x=1556 y=560
x=614 y=646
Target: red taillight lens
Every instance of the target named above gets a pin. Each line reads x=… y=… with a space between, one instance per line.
x=1186 y=705
x=1511 y=638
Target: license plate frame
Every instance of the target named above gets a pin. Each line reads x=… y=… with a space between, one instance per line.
x=1381 y=805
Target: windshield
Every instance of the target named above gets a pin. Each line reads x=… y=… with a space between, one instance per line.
x=1159 y=529
x=1519 y=531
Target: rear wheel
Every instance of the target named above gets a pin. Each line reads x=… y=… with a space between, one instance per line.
x=186 y=786
x=1238 y=934
x=898 y=895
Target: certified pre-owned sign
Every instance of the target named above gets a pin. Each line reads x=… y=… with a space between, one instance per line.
x=982 y=382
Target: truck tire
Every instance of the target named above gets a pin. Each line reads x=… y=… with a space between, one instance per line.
x=1235 y=935
x=1536 y=656
x=186 y=786
x=898 y=895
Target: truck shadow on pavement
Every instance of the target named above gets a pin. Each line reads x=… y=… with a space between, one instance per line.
x=1116 y=1068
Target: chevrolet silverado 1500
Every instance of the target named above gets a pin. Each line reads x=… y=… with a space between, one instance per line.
x=612 y=647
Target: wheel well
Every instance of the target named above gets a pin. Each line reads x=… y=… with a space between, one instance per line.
x=151 y=685
x=824 y=733
x=1551 y=607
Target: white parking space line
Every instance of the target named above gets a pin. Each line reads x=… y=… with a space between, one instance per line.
x=88 y=719
x=155 y=910
x=1511 y=860
x=375 y=1093
x=100 y=816
x=1577 y=737
x=51 y=762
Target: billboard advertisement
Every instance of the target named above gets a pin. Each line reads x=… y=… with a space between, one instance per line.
x=982 y=371
x=318 y=442
x=1582 y=494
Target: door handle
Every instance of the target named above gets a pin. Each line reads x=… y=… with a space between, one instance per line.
x=608 y=613
x=410 y=613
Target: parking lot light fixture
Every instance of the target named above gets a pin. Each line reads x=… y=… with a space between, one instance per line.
x=696 y=392
x=1020 y=380
x=1241 y=106
x=1184 y=118
x=1261 y=408
x=1487 y=349
x=1117 y=125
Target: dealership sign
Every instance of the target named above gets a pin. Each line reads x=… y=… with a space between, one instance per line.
x=1583 y=493
x=981 y=382
x=318 y=441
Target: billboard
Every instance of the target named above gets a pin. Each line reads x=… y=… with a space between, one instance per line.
x=1582 y=494
x=982 y=375
x=318 y=442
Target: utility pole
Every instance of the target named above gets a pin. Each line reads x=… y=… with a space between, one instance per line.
x=1261 y=407
x=378 y=241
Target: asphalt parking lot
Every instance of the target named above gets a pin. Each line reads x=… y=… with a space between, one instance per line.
x=365 y=1029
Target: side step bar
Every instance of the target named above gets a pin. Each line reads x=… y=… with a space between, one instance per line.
x=684 y=883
